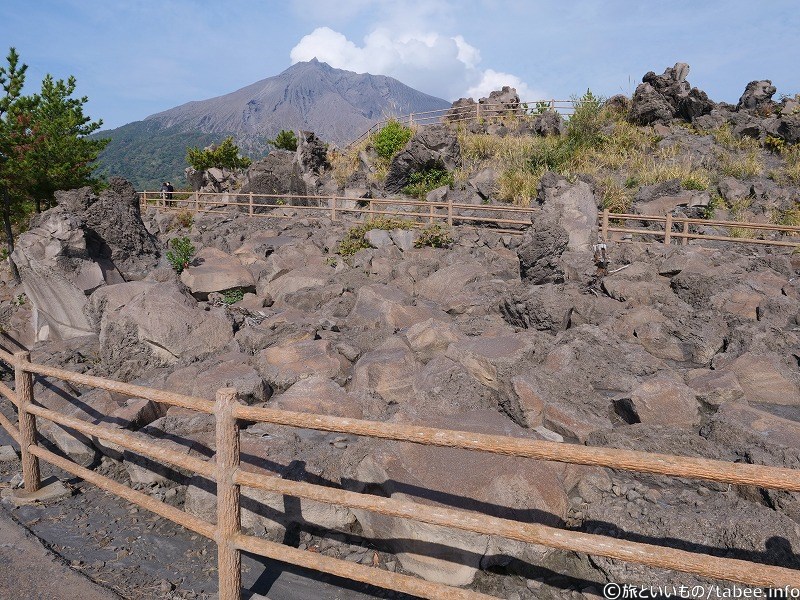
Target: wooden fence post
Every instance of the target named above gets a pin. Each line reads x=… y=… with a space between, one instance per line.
x=685 y=239
x=668 y=229
x=333 y=208
x=430 y=214
x=449 y=210
x=250 y=207
x=229 y=559
x=23 y=382
x=371 y=210
x=604 y=226
x=197 y=202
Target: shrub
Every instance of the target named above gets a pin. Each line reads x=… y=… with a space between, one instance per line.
x=355 y=240
x=583 y=127
x=775 y=144
x=694 y=182
x=285 y=140
x=184 y=219
x=435 y=236
x=224 y=156
x=181 y=254
x=233 y=295
x=391 y=139
x=422 y=182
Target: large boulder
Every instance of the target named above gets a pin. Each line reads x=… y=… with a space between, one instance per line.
x=529 y=491
x=462 y=109
x=648 y=106
x=567 y=223
x=84 y=243
x=500 y=103
x=275 y=174
x=312 y=153
x=113 y=225
x=757 y=95
x=155 y=325
x=433 y=147
x=213 y=270
x=660 y=98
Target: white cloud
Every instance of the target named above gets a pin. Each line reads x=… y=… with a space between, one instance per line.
x=494 y=80
x=446 y=66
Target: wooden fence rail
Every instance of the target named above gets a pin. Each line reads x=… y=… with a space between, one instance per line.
x=226 y=470
x=507 y=219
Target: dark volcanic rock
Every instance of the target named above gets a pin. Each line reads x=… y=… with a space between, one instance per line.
x=757 y=95
x=659 y=98
x=113 y=225
x=649 y=106
x=276 y=173
x=312 y=153
x=433 y=147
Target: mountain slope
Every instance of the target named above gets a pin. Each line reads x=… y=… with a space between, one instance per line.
x=337 y=105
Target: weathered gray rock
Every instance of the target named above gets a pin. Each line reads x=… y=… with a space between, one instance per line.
x=462 y=109
x=212 y=270
x=663 y=400
x=429 y=475
x=432 y=147
x=379 y=306
x=157 y=325
x=789 y=128
x=757 y=95
x=648 y=106
x=286 y=364
x=312 y=153
x=548 y=123
x=86 y=242
x=58 y=273
x=500 y=103
x=113 y=225
x=275 y=174
x=567 y=222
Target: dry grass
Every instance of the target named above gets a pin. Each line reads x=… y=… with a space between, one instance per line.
x=741 y=166
x=667 y=164
x=616 y=198
x=345 y=162
x=510 y=156
x=790 y=174
x=518 y=186
x=724 y=137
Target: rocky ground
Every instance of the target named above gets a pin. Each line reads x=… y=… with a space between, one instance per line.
x=689 y=350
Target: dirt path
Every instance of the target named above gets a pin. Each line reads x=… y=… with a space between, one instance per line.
x=29 y=570
x=139 y=555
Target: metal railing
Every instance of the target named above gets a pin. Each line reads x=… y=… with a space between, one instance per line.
x=227 y=471
x=473 y=112
x=508 y=219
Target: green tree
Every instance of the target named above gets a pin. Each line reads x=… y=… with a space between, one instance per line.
x=65 y=159
x=285 y=140
x=43 y=144
x=224 y=156
x=14 y=144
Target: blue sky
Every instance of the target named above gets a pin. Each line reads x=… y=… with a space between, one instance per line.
x=137 y=57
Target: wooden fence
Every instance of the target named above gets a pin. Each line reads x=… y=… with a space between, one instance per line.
x=502 y=218
x=475 y=112
x=226 y=470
